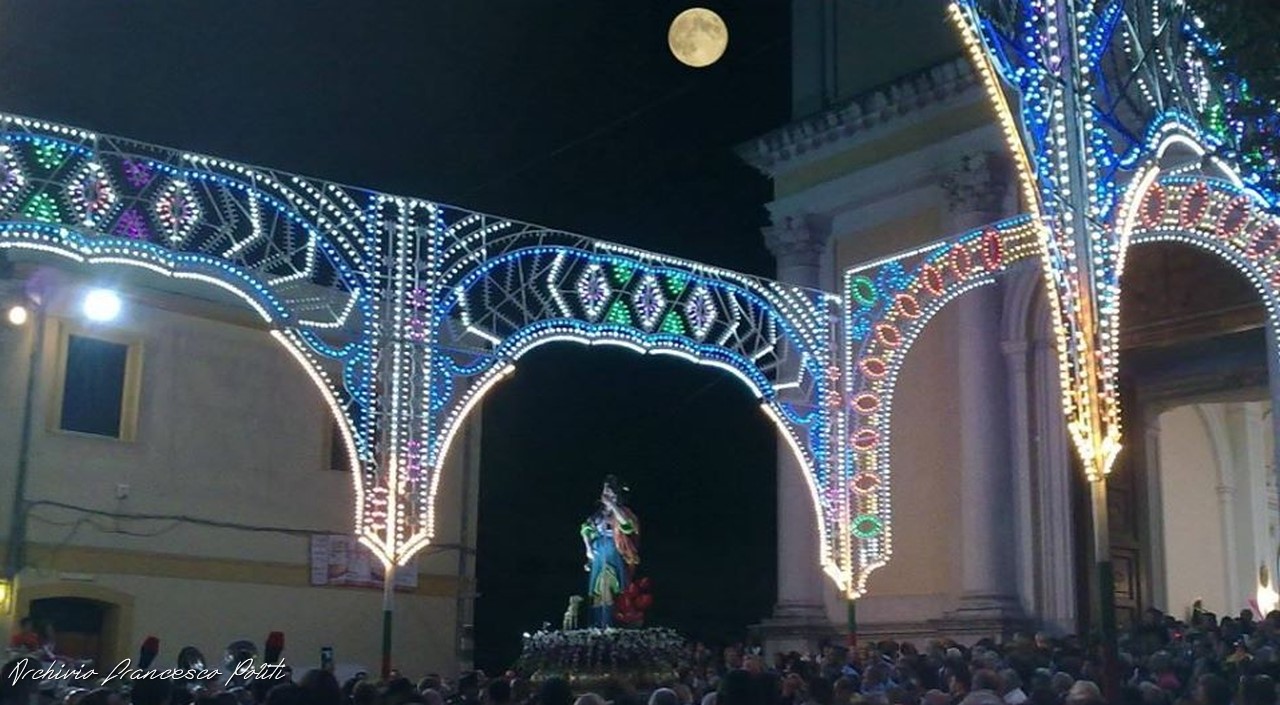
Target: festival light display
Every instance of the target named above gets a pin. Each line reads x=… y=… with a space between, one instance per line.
x=1120 y=135
x=888 y=305
x=1129 y=135
x=1104 y=88
x=509 y=288
x=406 y=312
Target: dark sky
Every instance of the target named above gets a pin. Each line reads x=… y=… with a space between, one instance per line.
x=570 y=113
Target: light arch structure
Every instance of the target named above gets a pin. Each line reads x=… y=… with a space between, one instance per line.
x=255 y=234
x=404 y=312
x=1108 y=93
x=889 y=303
x=1181 y=192
x=507 y=288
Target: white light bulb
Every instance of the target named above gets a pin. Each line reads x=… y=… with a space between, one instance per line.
x=101 y=305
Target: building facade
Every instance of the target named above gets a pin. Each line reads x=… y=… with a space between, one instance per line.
x=179 y=470
x=894 y=148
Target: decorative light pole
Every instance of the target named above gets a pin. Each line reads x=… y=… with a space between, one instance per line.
x=1049 y=50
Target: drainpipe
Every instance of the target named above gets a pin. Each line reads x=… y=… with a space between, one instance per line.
x=17 y=518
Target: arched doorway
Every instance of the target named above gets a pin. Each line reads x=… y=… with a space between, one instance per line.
x=87 y=621
x=699 y=456
x=75 y=623
x=1194 y=378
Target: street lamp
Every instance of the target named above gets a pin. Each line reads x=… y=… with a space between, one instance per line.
x=17 y=315
x=101 y=305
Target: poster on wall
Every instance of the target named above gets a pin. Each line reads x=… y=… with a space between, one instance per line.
x=338 y=560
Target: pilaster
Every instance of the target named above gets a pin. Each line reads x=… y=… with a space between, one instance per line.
x=799 y=620
x=1017 y=355
x=975 y=186
x=798 y=243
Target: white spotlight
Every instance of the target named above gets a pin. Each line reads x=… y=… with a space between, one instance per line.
x=18 y=315
x=101 y=305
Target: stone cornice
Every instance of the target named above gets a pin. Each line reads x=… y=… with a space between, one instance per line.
x=774 y=152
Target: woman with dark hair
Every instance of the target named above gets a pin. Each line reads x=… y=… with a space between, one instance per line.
x=320 y=688
x=286 y=693
x=610 y=536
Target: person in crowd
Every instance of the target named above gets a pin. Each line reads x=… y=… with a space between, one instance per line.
x=498 y=692
x=366 y=693
x=102 y=696
x=151 y=691
x=285 y=694
x=1011 y=687
x=319 y=687
x=555 y=691
x=26 y=638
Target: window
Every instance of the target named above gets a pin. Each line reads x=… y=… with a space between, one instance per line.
x=97 y=392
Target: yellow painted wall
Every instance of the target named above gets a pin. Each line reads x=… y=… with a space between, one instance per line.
x=1192 y=519
x=211 y=614
x=229 y=429
x=924 y=473
x=907 y=232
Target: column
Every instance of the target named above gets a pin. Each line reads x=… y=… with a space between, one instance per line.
x=798 y=244
x=975 y=187
x=1217 y=424
x=1154 y=538
x=1017 y=355
x=1059 y=581
x=1273 y=383
x=1255 y=467
x=986 y=511
x=799 y=619
x=1044 y=557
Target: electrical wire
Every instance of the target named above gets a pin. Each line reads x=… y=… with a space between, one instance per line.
x=177 y=520
x=607 y=127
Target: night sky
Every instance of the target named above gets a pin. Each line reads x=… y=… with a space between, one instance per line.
x=570 y=113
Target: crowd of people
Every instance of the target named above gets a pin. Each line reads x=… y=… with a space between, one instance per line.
x=1160 y=661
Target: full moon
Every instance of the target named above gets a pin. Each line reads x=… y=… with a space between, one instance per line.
x=698 y=37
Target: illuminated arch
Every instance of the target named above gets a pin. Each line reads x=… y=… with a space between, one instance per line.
x=95 y=250
x=772 y=408
x=889 y=303
x=508 y=288
x=286 y=248
x=1216 y=216
x=404 y=312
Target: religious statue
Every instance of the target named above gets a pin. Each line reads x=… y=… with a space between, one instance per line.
x=611 y=536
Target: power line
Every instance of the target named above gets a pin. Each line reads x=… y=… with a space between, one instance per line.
x=607 y=127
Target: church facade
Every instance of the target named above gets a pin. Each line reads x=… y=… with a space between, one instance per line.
x=892 y=150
